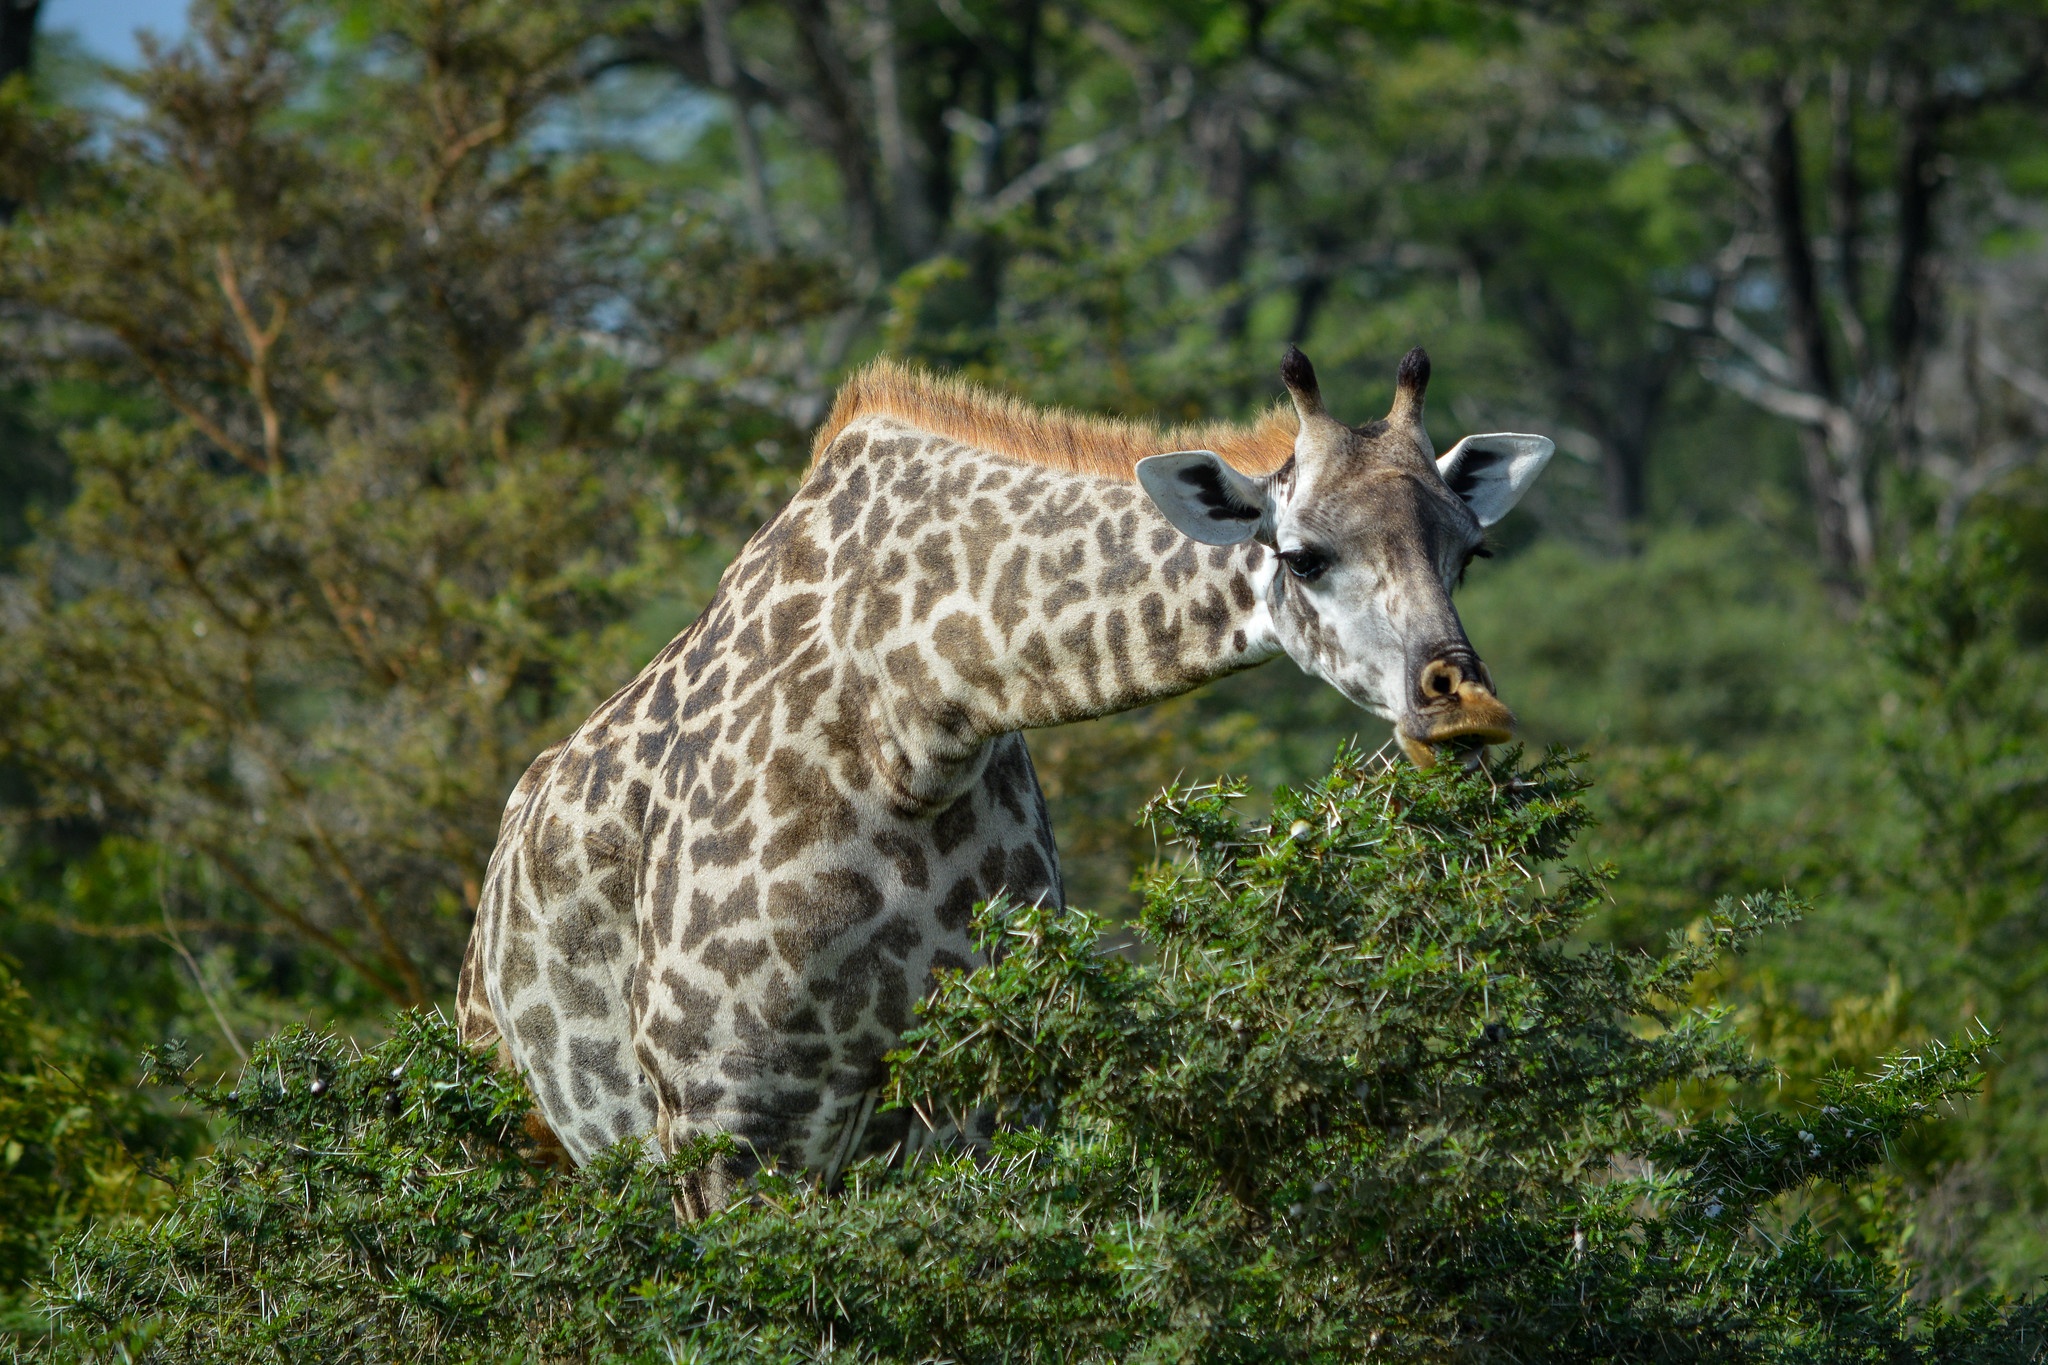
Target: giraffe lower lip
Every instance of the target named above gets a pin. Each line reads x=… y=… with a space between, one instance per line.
x=1468 y=750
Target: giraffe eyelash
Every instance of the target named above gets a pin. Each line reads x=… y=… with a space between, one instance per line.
x=1483 y=550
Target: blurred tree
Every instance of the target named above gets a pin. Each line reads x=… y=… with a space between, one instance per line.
x=78 y=1144
x=1857 y=144
x=399 y=456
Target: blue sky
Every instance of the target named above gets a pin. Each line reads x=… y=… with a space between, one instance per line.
x=107 y=27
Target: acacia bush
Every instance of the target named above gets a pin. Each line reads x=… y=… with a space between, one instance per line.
x=1373 y=1096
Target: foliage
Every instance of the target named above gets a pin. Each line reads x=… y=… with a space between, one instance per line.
x=374 y=509
x=78 y=1143
x=1886 y=766
x=1370 y=1097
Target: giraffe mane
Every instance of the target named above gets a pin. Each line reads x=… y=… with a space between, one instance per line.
x=1053 y=437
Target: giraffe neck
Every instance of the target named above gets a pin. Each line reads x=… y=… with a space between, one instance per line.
x=974 y=595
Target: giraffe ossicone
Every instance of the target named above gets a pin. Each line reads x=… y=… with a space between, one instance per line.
x=712 y=908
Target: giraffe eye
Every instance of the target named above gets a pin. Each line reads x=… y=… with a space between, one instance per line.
x=1479 y=551
x=1304 y=563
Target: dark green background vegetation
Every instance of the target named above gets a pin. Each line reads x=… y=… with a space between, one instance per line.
x=382 y=382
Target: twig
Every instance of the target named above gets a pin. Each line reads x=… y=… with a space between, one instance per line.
x=177 y=942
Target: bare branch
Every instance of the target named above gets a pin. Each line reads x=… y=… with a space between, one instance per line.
x=2024 y=382
x=259 y=341
x=1795 y=404
x=1086 y=153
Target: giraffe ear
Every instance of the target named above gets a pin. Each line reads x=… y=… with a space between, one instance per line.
x=1205 y=499
x=1492 y=472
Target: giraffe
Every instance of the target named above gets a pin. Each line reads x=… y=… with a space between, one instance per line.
x=713 y=907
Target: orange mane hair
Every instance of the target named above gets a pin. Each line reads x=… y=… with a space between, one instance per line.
x=1053 y=437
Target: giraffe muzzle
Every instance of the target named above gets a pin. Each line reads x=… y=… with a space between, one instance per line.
x=1455 y=711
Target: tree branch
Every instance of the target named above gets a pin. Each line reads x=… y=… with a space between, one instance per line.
x=259 y=340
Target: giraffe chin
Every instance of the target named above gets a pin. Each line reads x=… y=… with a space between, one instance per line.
x=1468 y=749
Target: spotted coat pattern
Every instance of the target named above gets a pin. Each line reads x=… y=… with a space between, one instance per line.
x=712 y=908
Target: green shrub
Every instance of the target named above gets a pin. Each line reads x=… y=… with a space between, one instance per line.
x=1372 y=1098
x=77 y=1143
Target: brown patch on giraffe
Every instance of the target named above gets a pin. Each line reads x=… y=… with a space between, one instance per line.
x=811 y=810
x=981 y=533
x=728 y=849
x=1071 y=593
x=1214 y=618
x=810 y=918
x=804 y=688
x=803 y=559
x=882 y=610
x=911 y=673
x=786 y=1011
x=1045 y=696
x=551 y=850
x=734 y=959
x=908 y=856
x=955 y=825
x=1179 y=567
x=520 y=969
x=537 y=1029
x=1116 y=542
x=848 y=990
x=708 y=915
x=1163 y=634
x=585 y=933
x=1085 y=657
x=1008 y=777
x=1116 y=632
x=599 y=1058
x=791 y=622
x=706 y=694
x=1028 y=869
x=612 y=854
x=679 y=772
x=1066 y=508
x=802 y=1057
x=720 y=802
x=687 y=1032
x=943 y=961
x=959 y=641
x=957 y=907
x=938 y=580
x=861 y=1057
x=1010 y=602
x=579 y=997
x=993 y=870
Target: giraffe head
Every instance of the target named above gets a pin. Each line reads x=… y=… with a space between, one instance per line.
x=1371 y=532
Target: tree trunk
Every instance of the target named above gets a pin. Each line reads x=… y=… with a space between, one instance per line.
x=1834 y=459
x=17 y=55
x=753 y=168
x=1912 y=279
x=910 y=227
x=837 y=114
x=17 y=35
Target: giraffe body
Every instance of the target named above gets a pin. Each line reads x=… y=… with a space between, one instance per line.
x=712 y=908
